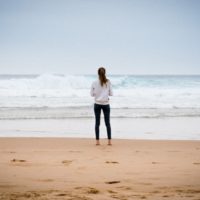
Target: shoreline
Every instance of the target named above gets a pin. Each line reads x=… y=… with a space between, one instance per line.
x=92 y=139
x=75 y=168
x=127 y=128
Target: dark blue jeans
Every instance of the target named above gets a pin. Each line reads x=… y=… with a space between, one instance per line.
x=106 y=112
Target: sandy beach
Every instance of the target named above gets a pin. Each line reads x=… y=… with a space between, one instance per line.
x=67 y=168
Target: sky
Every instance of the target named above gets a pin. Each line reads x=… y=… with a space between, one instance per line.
x=78 y=36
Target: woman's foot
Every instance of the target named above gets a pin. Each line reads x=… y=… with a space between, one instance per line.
x=109 y=142
x=97 y=142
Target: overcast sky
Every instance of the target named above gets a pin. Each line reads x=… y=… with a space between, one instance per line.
x=78 y=36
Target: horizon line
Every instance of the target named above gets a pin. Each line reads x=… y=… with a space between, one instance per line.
x=88 y=74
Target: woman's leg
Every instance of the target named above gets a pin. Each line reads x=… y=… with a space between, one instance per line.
x=106 y=112
x=97 y=112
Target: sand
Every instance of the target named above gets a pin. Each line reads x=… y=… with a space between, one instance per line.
x=67 y=168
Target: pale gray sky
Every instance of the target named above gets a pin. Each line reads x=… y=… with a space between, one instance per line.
x=78 y=36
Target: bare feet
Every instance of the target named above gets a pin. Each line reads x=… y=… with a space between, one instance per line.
x=97 y=142
x=109 y=142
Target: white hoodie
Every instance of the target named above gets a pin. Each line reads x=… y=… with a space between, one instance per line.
x=101 y=93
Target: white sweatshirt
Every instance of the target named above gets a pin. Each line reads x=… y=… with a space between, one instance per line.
x=101 y=93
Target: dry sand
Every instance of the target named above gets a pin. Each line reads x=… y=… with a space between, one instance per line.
x=66 y=168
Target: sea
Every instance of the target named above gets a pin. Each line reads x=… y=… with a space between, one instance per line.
x=67 y=97
x=51 y=96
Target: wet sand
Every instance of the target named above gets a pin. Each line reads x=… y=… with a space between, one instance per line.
x=67 y=168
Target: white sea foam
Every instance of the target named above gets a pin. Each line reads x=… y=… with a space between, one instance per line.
x=46 y=85
x=162 y=94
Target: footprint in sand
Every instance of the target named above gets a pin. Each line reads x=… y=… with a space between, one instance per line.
x=67 y=162
x=112 y=162
x=196 y=163
x=154 y=163
x=92 y=191
x=155 y=192
x=17 y=160
x=62 y=194
x=193 y=191
x=166 y=195
x=112 y=192
x=112 y=182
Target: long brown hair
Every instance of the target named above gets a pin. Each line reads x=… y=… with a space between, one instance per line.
x=102 y=75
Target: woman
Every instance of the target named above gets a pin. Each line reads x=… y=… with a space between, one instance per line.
x=101 y=90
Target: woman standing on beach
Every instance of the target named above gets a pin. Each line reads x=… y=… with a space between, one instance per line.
x=101 y=90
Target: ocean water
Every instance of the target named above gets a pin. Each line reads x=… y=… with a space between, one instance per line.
x=51 y=96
